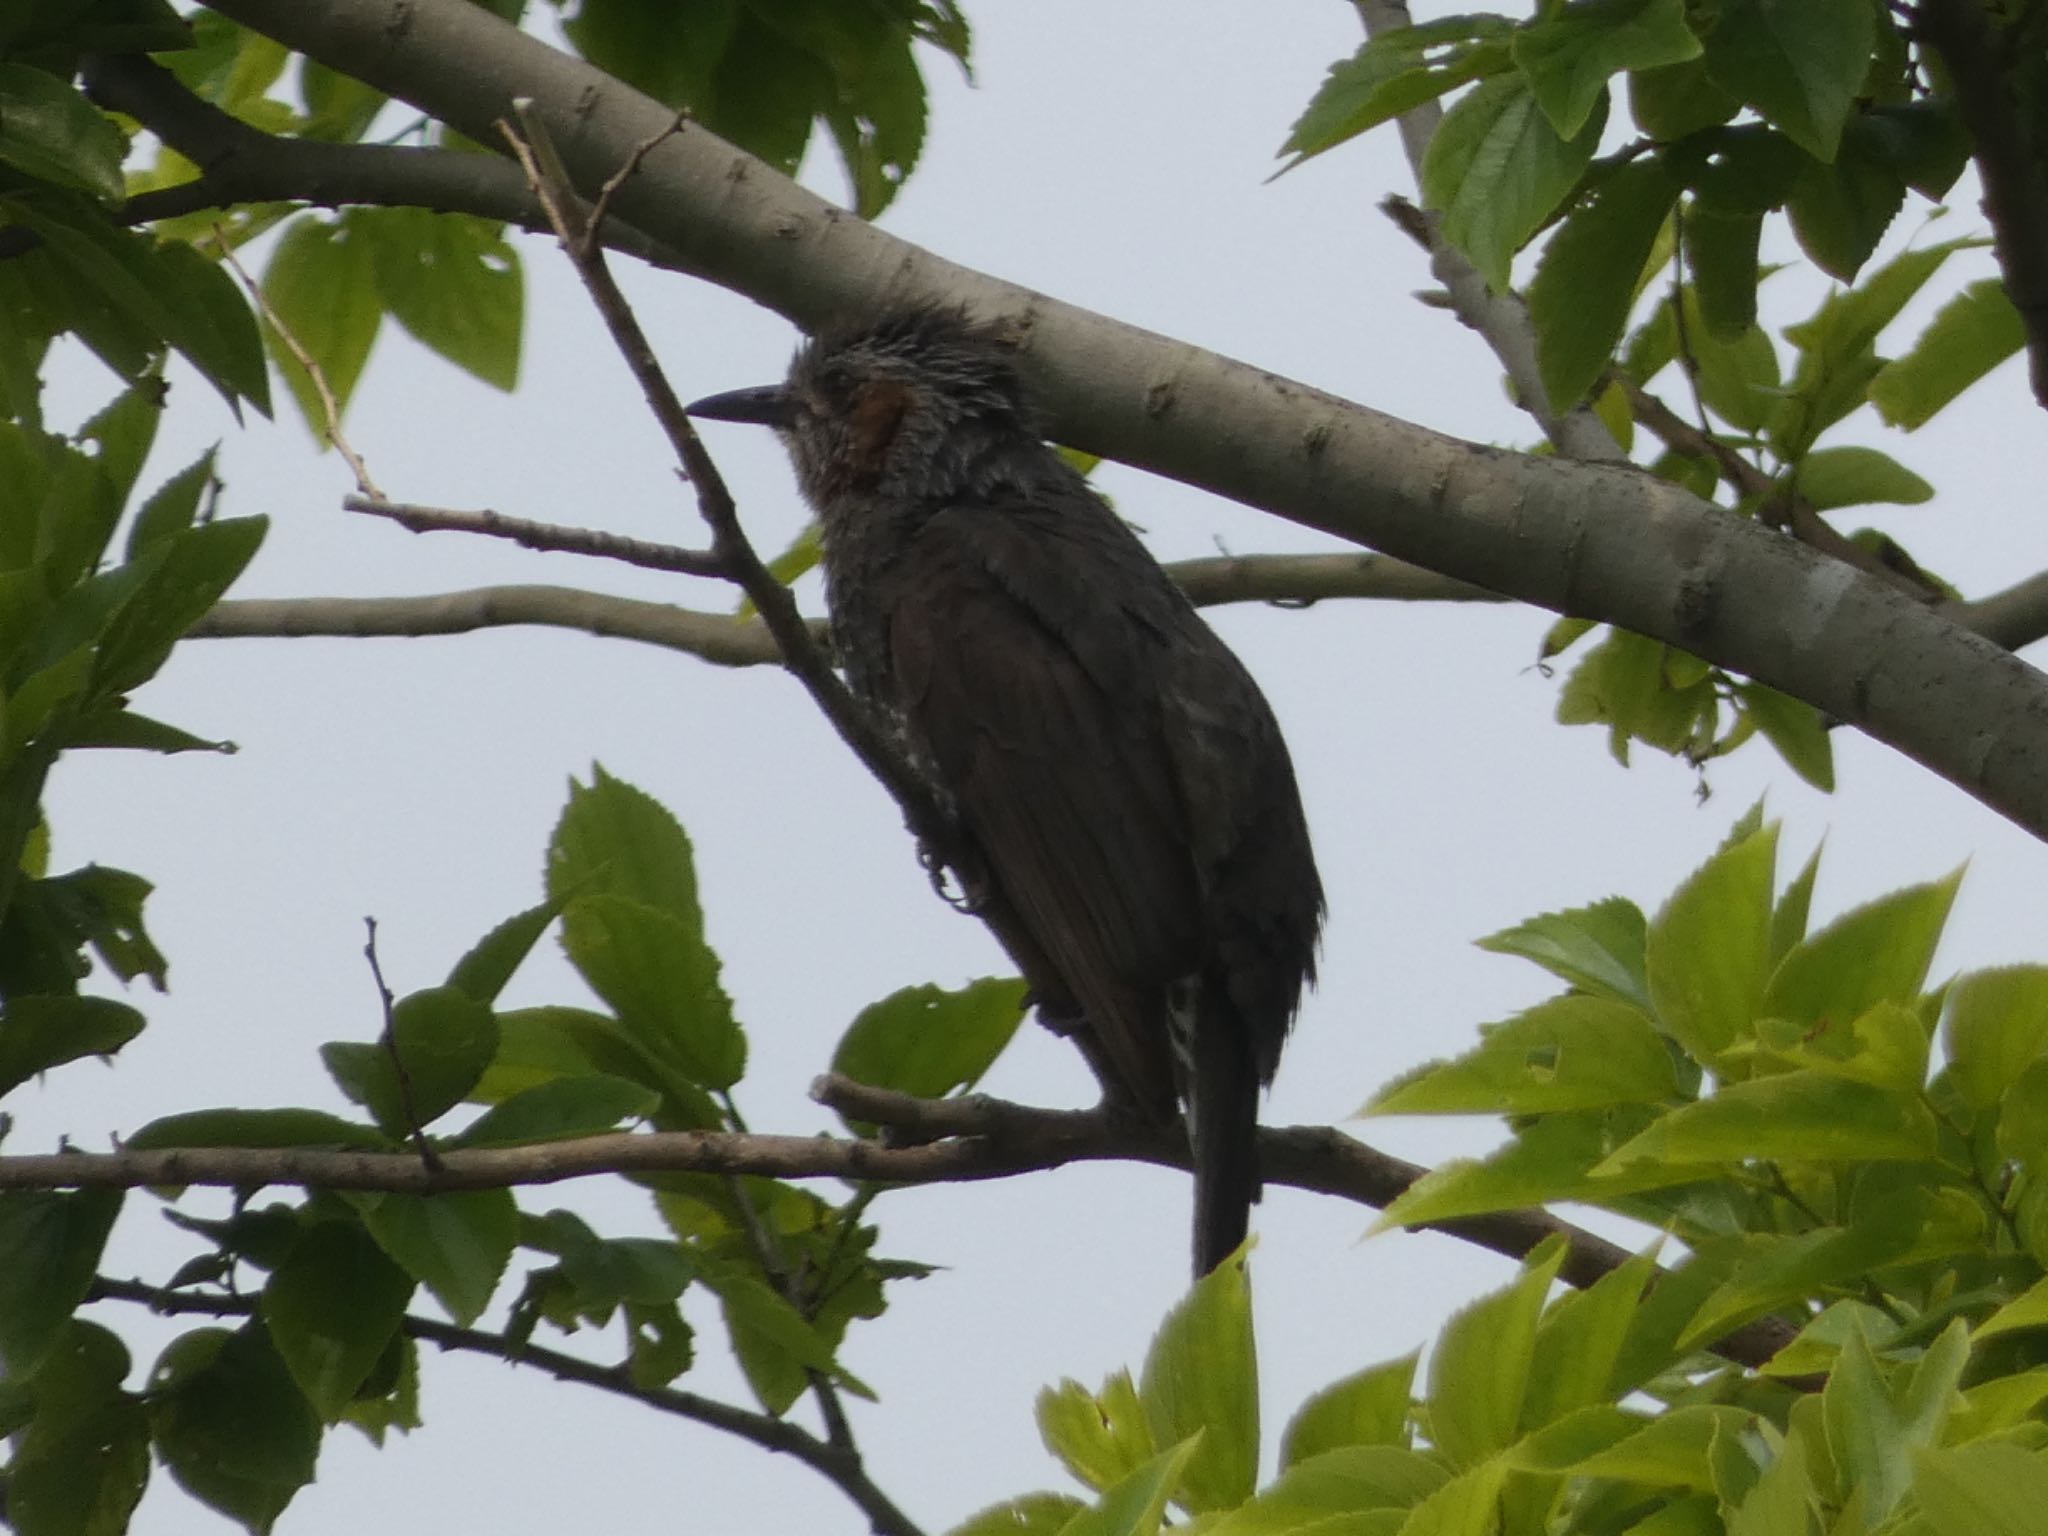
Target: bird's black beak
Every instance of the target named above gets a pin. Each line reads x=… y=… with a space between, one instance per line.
x=766 y=404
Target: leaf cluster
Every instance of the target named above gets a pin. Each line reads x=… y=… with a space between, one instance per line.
x=1646 y=238
x=235 y=1415
x=78 y=635
x=1821 y=1138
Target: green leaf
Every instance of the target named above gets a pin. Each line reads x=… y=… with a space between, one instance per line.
x=1837 y=347
x=1788 y=921
x=1800 y=63
x=230 y=1425
x=1885 y=1046
x=1641 y=690
x=322 y=284
x=615 y=840
x=648 y=49
x=38 y=1032
x=1034 y=1514
x=1571 y=1052
x=191 y=571
x=929 y=1041
x=254 y=1128
x=390 y=1399
x=2028 y=1310
x=1347 y=1482
x=776 y=1346
x=1720 y=253
x=1497 y=170
x=1855 y=476
x=53 y=1243
x=50 y=131
x=116 y=727
x=171 y=507
x=1993 y=1488
x=1579 y=1340
x=1806 y=1116
x=1675 y=100
x=1880 y=952
x=332 y=1307
x=558 y=1110
x=1134 y=1506
x=149 y=293
x=1971 y=334
x=879 y=126
x=1368 y=1407
x=1841 y=211
x=123 y=433
x=1587 y=277
x=1873 y=1431
x=1670 y=1451
x=1549 y=1159
x=1100 y=1438
x=1998 y=1404
x=1598 y=948
x=1397 y=70
x=457 y=1245
x=662 y=979
x=1737 y=378
x=765 y=91
x=2022 y=1136
x=453 y=281
x=1782 y=1497
x=483 y=972
x=1479 y=1370
x=216 y=329
x=1201 y=1378
x=1469 y=1502
x=538 y=1045
x=1996 y=1027
x=1778 y=1273
x=1569 y=53
x=1708 y=948
x=1795 y=728
x=442 y=1038
x=81 y=1463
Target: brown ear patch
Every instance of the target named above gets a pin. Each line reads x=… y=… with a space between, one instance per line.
x=877 y=413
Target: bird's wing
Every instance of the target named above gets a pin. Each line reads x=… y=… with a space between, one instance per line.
x=1037 y=705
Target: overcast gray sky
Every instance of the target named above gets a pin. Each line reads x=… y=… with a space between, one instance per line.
x=1114 y=156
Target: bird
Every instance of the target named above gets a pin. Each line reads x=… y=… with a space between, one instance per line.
x=1119 y=782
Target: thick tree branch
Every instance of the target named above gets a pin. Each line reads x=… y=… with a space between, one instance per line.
x=954 y=1141
x=1600 y=541
x=1792 y=511
x=837 y=1465
x=241 y=165
x=1996 y=71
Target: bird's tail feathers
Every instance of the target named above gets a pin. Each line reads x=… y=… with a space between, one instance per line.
x=1222 y=1096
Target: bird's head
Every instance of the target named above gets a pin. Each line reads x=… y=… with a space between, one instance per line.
x=908 y=406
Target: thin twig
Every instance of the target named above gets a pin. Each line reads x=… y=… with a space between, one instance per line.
x=593 y=542
x=741 y=565
x=429 y=1158
x=601 y=209
x=770 y=1434
x=330 y=408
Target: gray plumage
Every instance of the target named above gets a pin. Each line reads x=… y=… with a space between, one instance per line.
x=1122 y=779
